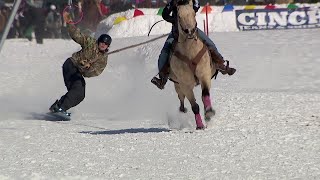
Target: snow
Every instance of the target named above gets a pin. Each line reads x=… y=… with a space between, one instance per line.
x=266 y=127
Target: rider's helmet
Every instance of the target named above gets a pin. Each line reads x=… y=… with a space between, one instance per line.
x=105 y=38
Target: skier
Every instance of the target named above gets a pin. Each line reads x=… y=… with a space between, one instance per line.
x=90 y=61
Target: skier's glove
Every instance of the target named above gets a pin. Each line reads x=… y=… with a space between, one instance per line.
x=85 y=64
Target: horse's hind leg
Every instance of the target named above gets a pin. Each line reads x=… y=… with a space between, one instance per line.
x=181 y=97
x=209 y=112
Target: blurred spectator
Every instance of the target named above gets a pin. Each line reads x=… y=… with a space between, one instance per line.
x=36 y=17
x=104 y=9
x=1 y=3
x=92 y=15
x=118 y=6
x=53 y=22
x=2 y=17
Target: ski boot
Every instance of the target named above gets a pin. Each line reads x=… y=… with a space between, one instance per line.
x=56 y=109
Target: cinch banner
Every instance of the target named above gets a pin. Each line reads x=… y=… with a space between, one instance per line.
x=259 y=19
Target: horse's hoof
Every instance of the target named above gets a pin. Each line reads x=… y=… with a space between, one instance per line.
x=209 y=113
x=200 y=128
x=183 y=109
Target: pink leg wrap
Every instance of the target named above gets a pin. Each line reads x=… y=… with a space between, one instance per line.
x=207 y=102
x=199 y=121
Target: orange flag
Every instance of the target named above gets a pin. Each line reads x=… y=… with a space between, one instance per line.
x=206 y=8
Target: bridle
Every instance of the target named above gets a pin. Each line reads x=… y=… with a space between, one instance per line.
x=190 y=34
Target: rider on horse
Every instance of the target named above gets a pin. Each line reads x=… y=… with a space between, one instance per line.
x=163 y=61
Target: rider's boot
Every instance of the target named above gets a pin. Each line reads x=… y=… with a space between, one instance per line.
x=163 y=77
x=218 y=60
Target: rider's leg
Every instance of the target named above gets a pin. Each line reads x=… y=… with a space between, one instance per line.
x=163 y=63
x=215 y=55
x=211 y=46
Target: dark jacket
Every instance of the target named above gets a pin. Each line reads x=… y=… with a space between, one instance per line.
x=89 y=54
x=171 y=7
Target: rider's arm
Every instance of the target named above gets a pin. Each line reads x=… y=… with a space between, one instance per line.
x=196 y=5
x=167 y=11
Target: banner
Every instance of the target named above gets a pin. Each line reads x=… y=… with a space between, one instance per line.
x=260 y=19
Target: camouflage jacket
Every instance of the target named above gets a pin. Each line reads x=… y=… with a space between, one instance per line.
x=89 y=60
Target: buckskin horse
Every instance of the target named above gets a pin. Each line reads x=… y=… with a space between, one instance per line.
x=191 y=64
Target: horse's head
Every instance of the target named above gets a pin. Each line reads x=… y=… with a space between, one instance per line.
x=187 y=23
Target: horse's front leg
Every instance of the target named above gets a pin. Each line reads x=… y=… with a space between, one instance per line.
x=181 y=97
x=208 y=111
x=195 y=107
x=196 y=111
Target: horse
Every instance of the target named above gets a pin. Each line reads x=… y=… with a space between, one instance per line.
x=190 y=64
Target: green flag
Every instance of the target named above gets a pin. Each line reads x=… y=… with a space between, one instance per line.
x=160 y=11
x=292 y=6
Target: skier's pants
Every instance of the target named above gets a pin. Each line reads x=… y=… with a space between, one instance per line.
x=75 y=84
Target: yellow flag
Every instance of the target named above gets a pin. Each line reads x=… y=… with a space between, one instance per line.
x=250 y=7
x=119 y=19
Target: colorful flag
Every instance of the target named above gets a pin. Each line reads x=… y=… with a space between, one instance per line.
x=205 y=9
x=292 y=6
x=270 y=6
x=137 y=13
x=119 y=19
x=160 y=11
x=227 y=7
x=250 y=7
